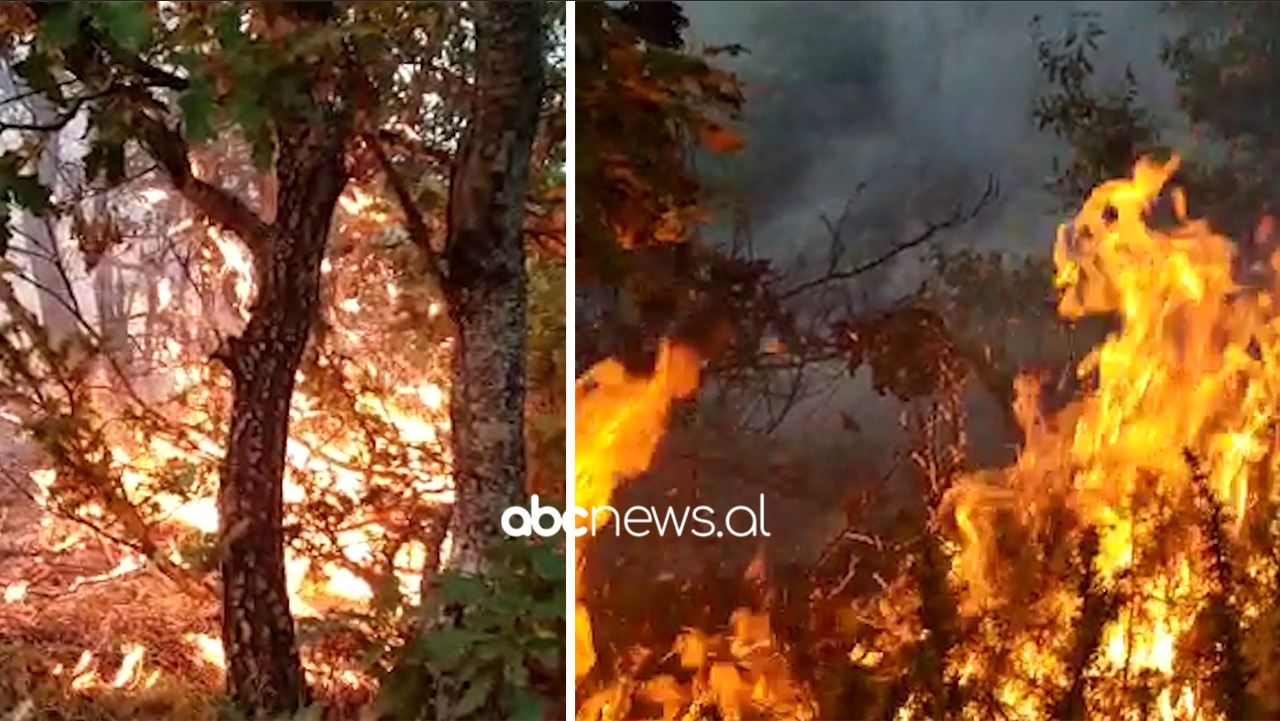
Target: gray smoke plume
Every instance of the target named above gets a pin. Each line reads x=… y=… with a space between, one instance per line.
x=921 y=101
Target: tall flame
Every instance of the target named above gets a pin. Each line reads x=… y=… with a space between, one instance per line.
x=1155 y=474
x=619 y=420
x=1183 y=404
x=621 y=417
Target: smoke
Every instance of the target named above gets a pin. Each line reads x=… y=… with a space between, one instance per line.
x=919 y=101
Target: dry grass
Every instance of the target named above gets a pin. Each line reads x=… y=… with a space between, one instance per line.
x=43 y=643
x=26 y=683
x=67 y=608
x=56 y=612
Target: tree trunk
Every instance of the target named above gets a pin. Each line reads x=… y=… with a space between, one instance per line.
x=110 y=298
x=485 y=288
x=113 y=316
x=264 y=674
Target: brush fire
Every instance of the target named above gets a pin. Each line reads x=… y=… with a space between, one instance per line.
x=1122 y=567
x=109 y=517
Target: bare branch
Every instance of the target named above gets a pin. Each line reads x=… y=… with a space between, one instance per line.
x=59 y=122
x=958 y=218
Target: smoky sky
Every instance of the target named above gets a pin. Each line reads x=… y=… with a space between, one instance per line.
x=917 y=102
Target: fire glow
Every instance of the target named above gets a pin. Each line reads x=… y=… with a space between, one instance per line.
x=399 y=459
x=1178 y=420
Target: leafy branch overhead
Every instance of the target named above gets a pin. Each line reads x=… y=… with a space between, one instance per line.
x=168 y=80
x=128 y=65
x=645 y=103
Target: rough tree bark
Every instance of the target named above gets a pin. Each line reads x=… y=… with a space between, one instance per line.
x=264 y=673
x=485 y=284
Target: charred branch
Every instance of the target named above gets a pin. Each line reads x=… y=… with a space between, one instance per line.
x=1230 y=671
x=1098 y=609
x=959 y=216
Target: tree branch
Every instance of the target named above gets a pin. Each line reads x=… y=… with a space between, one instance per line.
x=130 y=61
x=219 y=205
x=415 y=224
x=58 y=123
x=401 y=141
x=94 y=54
x=544 y=226
x=958 y=218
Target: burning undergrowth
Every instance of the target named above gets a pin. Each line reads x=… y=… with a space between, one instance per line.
x=107 y=578
x=1121 y=567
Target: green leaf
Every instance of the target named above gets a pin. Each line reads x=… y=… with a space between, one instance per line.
x=474 y=697
x=248 y=109
x=35 y=72
x=551 y=652
x=291 y=96
x=128 y=23
x=226 y=27
x=549 y=610
x=94 y=160
x=386 y=594
x=197 y=104
x=525 y=706
x=113 y=161
x=189 y=60
x=263 y=145
x=462 y=590
x=517 y=674
x=548 y=563
x=445 y=648
x=60 y=26
x=30 y=194
x=22 y=189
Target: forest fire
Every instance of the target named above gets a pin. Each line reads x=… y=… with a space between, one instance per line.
x=619 y=420
x=1178 y=425
x=279 y=338
x=1121 y=567
x=158 y=477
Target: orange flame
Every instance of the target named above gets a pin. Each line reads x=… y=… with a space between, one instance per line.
x=334 y=464
x=620 y=419
x=1191 y=373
